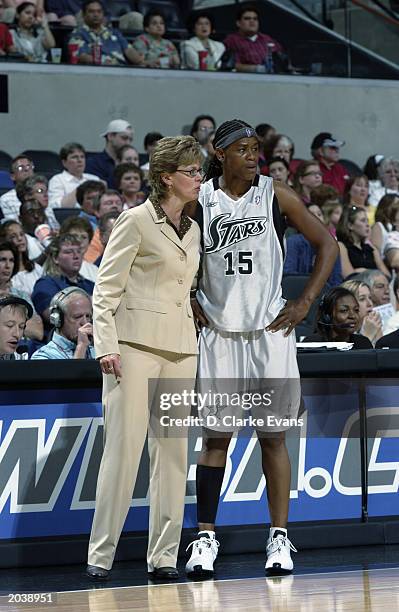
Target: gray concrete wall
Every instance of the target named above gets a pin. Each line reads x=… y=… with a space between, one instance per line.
x=50 y=105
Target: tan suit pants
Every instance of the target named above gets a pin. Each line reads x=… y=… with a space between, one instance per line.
x=126 y=419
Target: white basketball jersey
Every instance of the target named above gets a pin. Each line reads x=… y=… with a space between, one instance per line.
x=242 y=267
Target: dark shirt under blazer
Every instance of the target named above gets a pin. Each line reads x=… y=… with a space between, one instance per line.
x=142 y=292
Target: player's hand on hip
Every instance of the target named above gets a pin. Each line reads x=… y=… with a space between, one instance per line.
x=111 y=364
x=198 y=313
x=293 y=313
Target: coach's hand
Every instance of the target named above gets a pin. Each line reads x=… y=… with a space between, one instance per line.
x=293 y=313
x=198 y=313
x=111 y=364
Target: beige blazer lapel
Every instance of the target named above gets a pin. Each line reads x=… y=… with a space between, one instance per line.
x=170 y=233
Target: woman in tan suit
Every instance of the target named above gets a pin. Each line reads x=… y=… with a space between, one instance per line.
x=143 y=329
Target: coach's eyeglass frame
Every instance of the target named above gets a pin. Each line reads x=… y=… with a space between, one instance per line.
x=192 y=173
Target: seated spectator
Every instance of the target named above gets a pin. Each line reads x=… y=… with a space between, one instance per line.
x=61 y=270
x=201 y=25
x=86 y=194
x=127 y=154
x=37 y=231
x=370 y=320
x=105 y=226
x=158 y=52
x=14 y=314
x=389 y=341
x=386 y=216
x=356 y=193
x=392 y=324
x=281 y=146
x=264 y=132
x=81 y=229
x=307 y=177
x=388 y=173
x=62 y=186
x=279 y=169
x=8 y=268
x=253 y=51
x=391 y=251
x=63 y=11
x=357 y=254
x=338 y=319
x=36 y=188
x=325 y=149
x=150 y=140
x=21 y=168
x=301 y=255
x=371 y=168
x=32 y=36
x=202 y=126
x=28 y=272
x=128 y=179
x=109 y=201
x=118 y=134
x=379 y=286
x=332 y=211
x=71 y=315
x=6 y=42
x=113 y=46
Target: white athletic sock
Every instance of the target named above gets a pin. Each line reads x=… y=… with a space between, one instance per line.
x=272 y=531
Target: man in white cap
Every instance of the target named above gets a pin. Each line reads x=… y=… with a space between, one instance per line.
x=325 y=148
x=118 y=134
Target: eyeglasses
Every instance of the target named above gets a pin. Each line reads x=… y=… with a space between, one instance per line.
x=314 y=173
x=82 y=236
x=21 y=167
x=40 y=190
x=192 y=173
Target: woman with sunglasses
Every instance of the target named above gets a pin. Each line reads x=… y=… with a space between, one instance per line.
x=356 y=251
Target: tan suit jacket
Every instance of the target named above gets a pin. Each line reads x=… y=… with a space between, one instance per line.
x=142 y=292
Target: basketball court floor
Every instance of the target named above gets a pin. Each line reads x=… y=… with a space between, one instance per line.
x=361 y=579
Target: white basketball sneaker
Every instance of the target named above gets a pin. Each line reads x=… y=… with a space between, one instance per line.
x=203 y=554
x=278 y=551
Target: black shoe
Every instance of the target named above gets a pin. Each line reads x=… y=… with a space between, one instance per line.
x=97 y=573
x=164 y=573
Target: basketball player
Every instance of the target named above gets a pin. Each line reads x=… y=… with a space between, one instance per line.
x=247 y=328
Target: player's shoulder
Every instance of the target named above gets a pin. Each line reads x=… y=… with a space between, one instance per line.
x=206 y=191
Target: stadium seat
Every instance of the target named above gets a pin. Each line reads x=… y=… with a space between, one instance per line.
x=6 y=182
x=351 y=167
x=119 y=7
x=5 y=161
x=293 y=286
x=63 y=213
x=169 y=9
x=46 y=162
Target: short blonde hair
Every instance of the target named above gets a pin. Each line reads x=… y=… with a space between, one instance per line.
x=170 y=153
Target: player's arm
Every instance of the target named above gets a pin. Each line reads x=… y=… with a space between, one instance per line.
x=326 y=253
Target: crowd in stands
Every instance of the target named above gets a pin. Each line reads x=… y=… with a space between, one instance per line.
x=55 y=226
x=27 y=33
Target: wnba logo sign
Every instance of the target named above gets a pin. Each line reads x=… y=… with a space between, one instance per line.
x=223 y=233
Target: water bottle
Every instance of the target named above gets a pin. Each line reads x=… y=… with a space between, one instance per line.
x=269 y=65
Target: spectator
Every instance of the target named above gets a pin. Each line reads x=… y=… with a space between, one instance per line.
x=128 y=154
x=21 y=168
x=307 y=177
x=201 y=25
x=36 y=188
x=109 y=201
x=150 y=140
x=370 y=320
x=332 y=211
x=81 y=229
x=325 y=149
x=279 y=169
x=32 y=36
x=128 y=179
x=118 y=134
x=371 y=167
x=390 y=340
x=386 y=216
x=113 y=47
x=253 y=51
x=281 y=146
x=158 y=52
x=264 y=132
x=8 y=268
x=71 y=315
x=322 y=194
x=388 y=173
x=356 y=193
x=61 y=270
x=392 y=324
x=391 y=250
x=14 y=314
x=62 y=186
x=86 y=194
x=338 y=319
x=202 y=126
x=6 y=42
x=357 y=255
x=28 y=272
x=379 y=286
x=105 y=226
x=32 y=216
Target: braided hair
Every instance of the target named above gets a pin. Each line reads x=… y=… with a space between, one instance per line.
x=215 y=168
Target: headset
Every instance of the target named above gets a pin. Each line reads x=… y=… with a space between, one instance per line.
x=57 y=310
x=325 y=319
